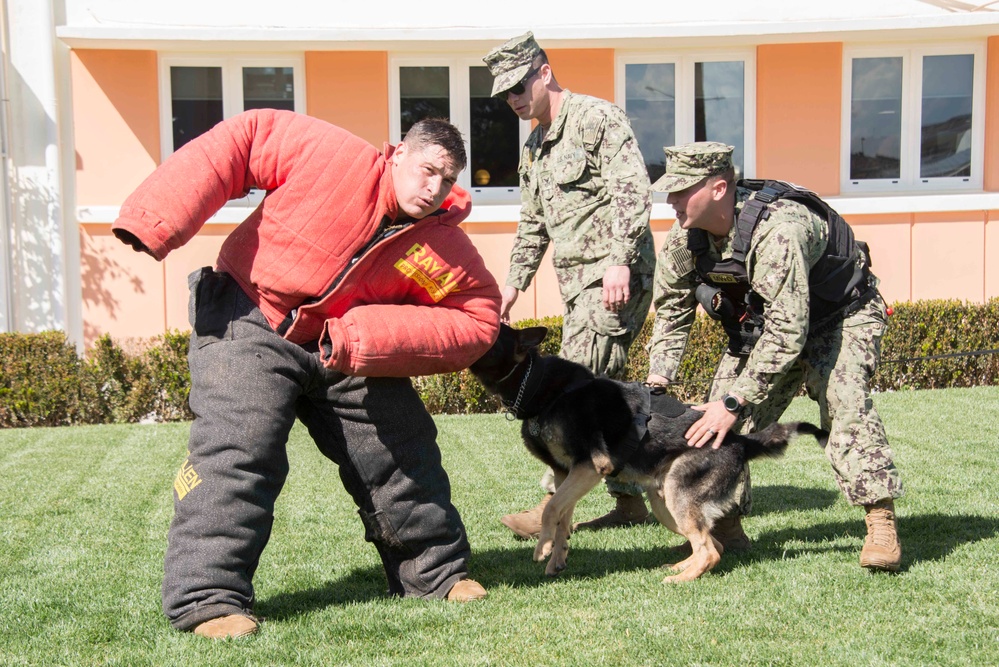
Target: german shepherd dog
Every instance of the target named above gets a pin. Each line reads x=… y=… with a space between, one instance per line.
x=588 y=427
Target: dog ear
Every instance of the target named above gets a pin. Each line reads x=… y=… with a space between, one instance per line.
x=530 y=337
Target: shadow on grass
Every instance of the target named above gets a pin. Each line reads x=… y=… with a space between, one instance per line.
x=507 y=566
x=925 y=538
x=361 y=585
x=781 y=497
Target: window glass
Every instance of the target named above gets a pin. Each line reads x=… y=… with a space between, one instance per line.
x=650 y=99
x=268 y=88
x=196 y=101
x=876 y=118
x=424 y=93
x=945 y=136
x=720 y=106
x=494 y=136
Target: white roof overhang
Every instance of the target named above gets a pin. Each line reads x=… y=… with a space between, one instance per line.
x=225 y=25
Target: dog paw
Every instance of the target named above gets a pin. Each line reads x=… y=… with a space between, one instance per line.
x=682 y=565
x=560 y=554
x=542 y=550
x=687 y=575
x=554 y=568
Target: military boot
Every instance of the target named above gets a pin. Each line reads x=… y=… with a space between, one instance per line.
x=727 y=530
x=628 y=511
x=227 y=627
x=882 y=549
x=466 y=590
x=527 y=524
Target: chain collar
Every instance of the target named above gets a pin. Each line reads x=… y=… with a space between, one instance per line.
x=513 y=411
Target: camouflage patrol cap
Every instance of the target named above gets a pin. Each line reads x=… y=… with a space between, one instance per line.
x=511 y=62
x=689 y=164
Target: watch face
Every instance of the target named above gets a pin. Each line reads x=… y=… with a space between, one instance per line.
x=731 y=403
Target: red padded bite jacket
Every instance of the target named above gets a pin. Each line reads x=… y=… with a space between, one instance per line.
x=418 y=302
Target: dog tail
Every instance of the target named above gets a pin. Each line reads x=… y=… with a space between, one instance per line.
x=774 y=439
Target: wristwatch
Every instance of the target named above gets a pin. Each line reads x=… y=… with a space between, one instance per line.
x=732 y=404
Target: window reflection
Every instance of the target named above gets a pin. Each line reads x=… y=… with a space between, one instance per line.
x=196 y=101
x=268 y=88
x=945 y=143
x=495 y=134
x=424 y=93
x=650 y=98
x=720 y=106
x=876 y=118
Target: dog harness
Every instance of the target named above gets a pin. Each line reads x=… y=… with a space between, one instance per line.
x=641 y=413
x=644 y=402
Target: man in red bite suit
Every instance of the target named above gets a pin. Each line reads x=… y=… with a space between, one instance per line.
x=350 y=277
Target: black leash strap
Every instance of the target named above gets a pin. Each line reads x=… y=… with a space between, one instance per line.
x=976 y=353
x=882 y=362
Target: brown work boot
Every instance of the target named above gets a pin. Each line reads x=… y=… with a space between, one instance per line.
x=882 y=549
x=466 y=590
x=628 y=511
x=226 y=627
x=727 y=530
x=527 y=524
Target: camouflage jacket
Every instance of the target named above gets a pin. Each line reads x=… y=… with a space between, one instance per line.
x=584 y=187
x=783 y=250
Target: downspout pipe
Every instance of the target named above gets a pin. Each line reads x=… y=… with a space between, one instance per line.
x=6 y=212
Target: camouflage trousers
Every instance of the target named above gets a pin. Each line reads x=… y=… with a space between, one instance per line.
x=596 y=337
x=836 y=367
x=600 y=340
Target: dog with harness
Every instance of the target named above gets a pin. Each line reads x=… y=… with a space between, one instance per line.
x=587 y=428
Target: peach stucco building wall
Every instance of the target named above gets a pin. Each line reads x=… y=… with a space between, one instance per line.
x=889 y=238
x=116 y=130
x=117 y=134
x=799 y=88
x=350 y=89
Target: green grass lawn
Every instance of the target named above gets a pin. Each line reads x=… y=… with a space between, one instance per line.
x=85 y=513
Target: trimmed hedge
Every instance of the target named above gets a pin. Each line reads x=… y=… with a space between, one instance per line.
x=44 y=383
x=935 y=328
x=39 y=380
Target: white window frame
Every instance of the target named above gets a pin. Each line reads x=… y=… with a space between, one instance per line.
x=683 y=100
x=460 y=113
x=909 y=179
x=232 y=84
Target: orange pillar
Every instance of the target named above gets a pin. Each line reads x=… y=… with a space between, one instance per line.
x=992 y=116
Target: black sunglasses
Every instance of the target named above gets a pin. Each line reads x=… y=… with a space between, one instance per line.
x=519 y=87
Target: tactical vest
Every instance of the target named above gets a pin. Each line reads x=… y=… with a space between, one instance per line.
x=835 y=283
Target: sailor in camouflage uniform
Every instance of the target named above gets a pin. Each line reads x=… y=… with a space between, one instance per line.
x=800 y=305
x=584 y=190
